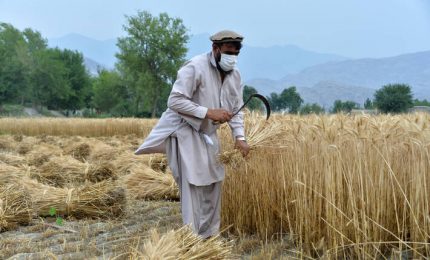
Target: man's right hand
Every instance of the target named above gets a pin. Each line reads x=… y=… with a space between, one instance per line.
x=219 y=115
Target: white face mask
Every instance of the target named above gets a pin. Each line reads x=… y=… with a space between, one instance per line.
x=227 y=62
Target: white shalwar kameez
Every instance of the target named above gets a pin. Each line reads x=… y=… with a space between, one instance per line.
x=191 y=142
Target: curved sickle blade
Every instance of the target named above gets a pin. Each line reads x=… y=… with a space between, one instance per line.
x=262 y=98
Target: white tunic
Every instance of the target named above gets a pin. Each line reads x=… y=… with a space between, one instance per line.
x=197 y=88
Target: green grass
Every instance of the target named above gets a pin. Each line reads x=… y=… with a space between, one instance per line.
x=12 y=110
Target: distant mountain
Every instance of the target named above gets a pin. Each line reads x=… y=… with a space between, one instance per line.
x=102 y=52
x=271 y=62
x=92 y=66
x=355 y=79
x=319 y=78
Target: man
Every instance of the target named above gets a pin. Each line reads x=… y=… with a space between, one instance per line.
x=206 y=93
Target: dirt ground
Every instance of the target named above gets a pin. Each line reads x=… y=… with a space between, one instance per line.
x=115 y=239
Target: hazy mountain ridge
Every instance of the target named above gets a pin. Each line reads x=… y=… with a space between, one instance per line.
x=355 y=79
x=101 y=52
x=269 y=62
x=319 y=78
x=266 y=62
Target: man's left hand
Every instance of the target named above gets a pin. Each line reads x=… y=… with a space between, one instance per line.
x=243 y=147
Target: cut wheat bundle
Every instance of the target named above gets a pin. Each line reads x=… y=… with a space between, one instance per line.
x=67 y=171
x=158 y=162
x=100 y=200
x=100 y=171
x=127 y=160
x=103 y=152
x=7 y=144
x=15 y=206
x=145 y=183
x=42 y=153
x=79 y=151
x=184 y=244
x=10 y=174
x=60 y=171
x=12 y=159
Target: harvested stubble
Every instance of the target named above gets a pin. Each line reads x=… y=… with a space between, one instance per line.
x=67 y=171
x=183 y=244
x=101 y=200
x=15 y=206
x=145 y=183
x=343 y=186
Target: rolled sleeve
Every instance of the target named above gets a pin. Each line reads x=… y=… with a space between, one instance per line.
x=236 y=125
x=183 y=89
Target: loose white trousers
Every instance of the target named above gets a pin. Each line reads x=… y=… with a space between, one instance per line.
x=200 y=205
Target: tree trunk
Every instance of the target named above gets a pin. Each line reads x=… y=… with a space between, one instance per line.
x=154 y=107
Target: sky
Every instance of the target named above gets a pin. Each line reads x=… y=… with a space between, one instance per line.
x=351 y=28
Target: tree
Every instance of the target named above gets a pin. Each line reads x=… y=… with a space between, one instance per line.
x=288 y=99
x=110 y=94
x=368 y=104
x=48 y=79
x=77 y=77
x=274 y=102
x=149 y=57
x=393 y=98
x=253 y=103
x=311 y=109
x=291 y=99
x=12 y=70
x=424 y=102
x=344 y=106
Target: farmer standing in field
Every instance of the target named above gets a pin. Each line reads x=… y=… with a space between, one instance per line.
x=205 y=94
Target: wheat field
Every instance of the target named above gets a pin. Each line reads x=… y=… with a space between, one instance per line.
x=338 y=186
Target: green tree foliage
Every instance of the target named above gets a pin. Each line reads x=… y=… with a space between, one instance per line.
x=32 y=72
x=424 y=102
x=78 y=79
x=344 y=106
x=253 y=104
x=12 y=71
x=288 y=99
x=49 y=86
x=110 y=94
x=368 y=104
x=313 y=108
x=149 y=57
x=393 y=98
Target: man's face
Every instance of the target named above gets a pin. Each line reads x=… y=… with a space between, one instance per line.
x=226 y=48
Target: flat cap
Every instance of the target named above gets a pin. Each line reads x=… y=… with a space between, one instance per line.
x=226 y=36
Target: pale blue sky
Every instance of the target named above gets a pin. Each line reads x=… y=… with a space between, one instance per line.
x=353 y=28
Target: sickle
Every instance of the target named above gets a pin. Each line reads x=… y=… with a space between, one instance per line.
x=262 y=98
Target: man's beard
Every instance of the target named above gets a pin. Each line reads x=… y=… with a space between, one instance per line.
x=220 y=69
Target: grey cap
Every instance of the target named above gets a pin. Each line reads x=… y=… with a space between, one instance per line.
x=226 y=36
